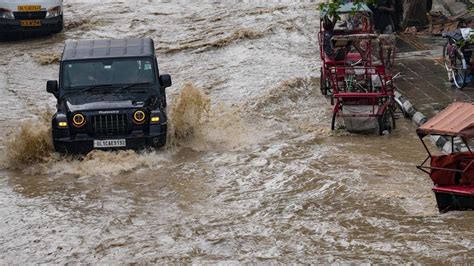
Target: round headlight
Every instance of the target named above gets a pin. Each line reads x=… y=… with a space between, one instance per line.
x=78 y=120
x=139 y=117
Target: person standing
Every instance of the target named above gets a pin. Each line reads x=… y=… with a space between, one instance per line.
x=429 y=5
x=384 y=11
x=383 y=16
x=398 y=15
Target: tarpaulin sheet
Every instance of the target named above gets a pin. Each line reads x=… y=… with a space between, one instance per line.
x=360 y=123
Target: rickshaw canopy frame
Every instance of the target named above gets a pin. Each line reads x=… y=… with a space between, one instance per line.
x=457 y=120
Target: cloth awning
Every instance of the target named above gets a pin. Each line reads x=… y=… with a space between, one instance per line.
x=456 y=120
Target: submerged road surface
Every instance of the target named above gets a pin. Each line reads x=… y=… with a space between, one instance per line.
x=252 y=172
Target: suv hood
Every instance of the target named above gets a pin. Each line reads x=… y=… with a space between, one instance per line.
x=100 y=101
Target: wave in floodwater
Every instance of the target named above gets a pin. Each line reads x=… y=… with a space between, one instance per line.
x=47 y=58
x=296 y=103
x=202 y=45
x=192 y=124
x=80 y=24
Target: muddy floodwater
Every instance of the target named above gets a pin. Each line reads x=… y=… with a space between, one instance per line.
x=252 y=172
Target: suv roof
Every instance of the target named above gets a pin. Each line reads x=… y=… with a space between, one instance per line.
x=89 y=49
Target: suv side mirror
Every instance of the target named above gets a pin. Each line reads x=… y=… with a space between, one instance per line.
x=165 y=81
x=52 y=87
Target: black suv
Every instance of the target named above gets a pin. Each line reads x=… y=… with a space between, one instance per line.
x=110 y=95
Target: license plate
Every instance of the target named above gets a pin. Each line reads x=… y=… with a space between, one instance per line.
x=29 y=8
x=30 y=23
x=110 y=143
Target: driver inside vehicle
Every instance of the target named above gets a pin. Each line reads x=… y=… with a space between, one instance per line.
x=81 y=74
x=82 y=77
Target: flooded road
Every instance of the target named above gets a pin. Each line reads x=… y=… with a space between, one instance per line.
x=252 y=173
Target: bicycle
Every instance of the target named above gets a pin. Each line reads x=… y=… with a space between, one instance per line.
x=454 y=58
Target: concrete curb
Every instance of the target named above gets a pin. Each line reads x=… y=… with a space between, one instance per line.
x=419 y=119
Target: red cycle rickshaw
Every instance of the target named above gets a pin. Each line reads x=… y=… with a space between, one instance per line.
x=451 y=173
x=363 y=95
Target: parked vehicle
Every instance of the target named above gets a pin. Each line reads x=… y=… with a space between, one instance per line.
x=110 y=95
x=452 y=173
x=20 y=16
x=457 y=53
x=363 y=95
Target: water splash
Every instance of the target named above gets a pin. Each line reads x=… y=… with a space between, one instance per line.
x=30 y=144
x=197 y=125
x=188 y=114
x=193 y=124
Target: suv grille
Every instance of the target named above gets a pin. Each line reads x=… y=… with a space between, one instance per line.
x=110 y=125
x=30 y=15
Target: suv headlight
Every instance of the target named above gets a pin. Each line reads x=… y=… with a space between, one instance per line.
x=139 y=117
x=78 y=120
x=5 y=13
x=53 y=12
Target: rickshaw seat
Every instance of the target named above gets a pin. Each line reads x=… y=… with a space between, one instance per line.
x=451 y=162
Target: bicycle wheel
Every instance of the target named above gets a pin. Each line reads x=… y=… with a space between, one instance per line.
x=459 y=69
x=322 y=83
x=447 y=60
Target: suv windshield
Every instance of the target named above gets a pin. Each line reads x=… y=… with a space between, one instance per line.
x=80 y=74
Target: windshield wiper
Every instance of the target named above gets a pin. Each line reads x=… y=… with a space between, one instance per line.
x=135 y=85
x=97 y=87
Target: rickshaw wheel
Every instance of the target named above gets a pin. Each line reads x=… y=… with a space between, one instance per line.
x=386 y=122
x=322 y=83
x=333 y=121
x=335 y=124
